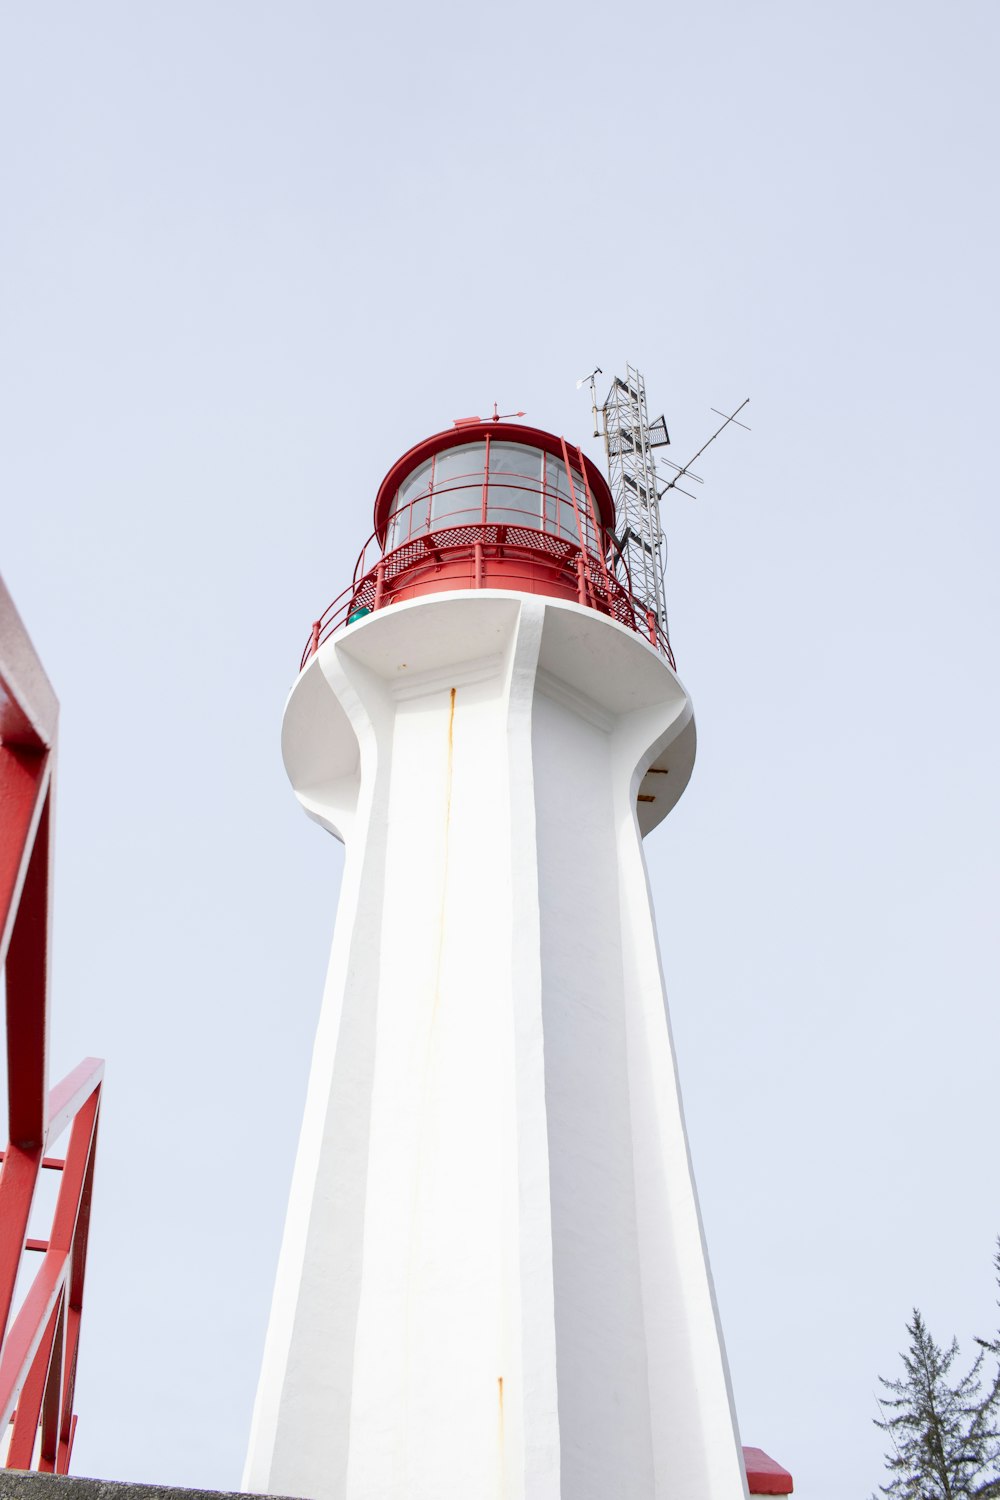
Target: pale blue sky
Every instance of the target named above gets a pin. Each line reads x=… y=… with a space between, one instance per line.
x=249 y=253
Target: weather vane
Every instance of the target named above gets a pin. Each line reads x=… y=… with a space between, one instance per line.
x=498 y=416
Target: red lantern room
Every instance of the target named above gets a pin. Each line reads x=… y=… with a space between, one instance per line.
x=485 y=505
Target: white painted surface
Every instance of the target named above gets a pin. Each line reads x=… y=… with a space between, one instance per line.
x=493 y=1281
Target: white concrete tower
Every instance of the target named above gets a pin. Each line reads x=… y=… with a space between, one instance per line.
x=493 y=1283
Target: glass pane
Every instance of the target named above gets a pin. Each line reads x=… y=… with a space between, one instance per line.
x=459 y=464
x=560 y=515
x=583 y=505
x=415 y=483
x=410 y=507
x=518 y=502
x=555 y=483
x=458 y=485
x=515 y=458
x=555 y=474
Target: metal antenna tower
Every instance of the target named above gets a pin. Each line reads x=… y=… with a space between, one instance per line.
x=629 y=440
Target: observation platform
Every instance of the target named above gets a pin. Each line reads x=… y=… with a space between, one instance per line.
x=485 y=506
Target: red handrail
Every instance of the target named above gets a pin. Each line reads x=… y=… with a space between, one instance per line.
x=455 y=536
x=38 y=1347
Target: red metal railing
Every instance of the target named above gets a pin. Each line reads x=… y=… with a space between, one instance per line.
x=573 y=570
x=38 y=1346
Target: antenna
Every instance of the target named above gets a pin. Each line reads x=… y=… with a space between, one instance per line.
x=685 y=469
x=629 y=440
x=591 y=380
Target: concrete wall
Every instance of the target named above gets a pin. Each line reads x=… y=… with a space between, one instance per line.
x=493 y=1280
x=18 y=1485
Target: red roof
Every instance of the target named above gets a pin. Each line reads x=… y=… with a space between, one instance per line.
x=764 y=1476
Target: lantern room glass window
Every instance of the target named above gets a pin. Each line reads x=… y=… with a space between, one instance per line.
x=493 y=483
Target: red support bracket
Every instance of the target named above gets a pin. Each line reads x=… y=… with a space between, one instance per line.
x=38 y=1350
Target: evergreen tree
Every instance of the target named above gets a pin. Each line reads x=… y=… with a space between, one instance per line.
x=945 y=1441
x=992 y=1346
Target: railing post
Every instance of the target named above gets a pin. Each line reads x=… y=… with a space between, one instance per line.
x=581 y=578
x=572 y=495
x=478 y=582
x=599 y=541
x=379 y=584
x=314 y=639
x=651 y=626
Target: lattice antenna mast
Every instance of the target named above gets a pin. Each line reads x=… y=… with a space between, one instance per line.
x=629 y=440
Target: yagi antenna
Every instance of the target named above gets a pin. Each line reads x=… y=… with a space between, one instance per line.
x=684 y=470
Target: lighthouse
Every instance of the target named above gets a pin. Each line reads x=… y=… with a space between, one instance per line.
x=493 y=1281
